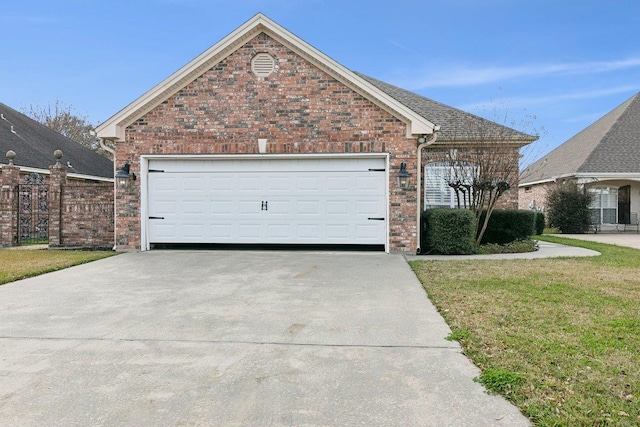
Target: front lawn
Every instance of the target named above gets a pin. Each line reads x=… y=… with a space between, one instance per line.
x=21 y=263
x=560 y=338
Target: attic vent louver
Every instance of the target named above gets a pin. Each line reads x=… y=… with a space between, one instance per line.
x=263 y=64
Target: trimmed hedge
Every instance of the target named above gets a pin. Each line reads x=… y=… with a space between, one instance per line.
x=539 y=223
x=508 y=225
x=448 y=232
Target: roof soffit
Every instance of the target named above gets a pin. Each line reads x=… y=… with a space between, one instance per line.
x=113 y=128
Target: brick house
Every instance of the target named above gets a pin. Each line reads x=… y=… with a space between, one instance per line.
x=64 y=200
x=264 y=139
x=604 y=158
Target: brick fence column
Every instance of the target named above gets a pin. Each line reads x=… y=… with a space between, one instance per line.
x=57 y=178
x=9 y=202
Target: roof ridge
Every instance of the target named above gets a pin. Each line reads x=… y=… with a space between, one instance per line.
x=567 y=158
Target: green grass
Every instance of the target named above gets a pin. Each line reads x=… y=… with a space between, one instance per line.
x=20 y=264
x=560 y=338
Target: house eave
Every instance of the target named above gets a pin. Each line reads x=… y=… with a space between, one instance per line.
x=633 y=176
x=69 y=175
x=114 y=127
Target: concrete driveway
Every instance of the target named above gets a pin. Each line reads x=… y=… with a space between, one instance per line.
x=230 y=338
x=631 y=240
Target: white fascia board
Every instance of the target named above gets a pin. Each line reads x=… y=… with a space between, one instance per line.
x=587 y=177
x=609 y=175
x=113 y=128
x=547 y=180
x=69 y=175
x=542 y=181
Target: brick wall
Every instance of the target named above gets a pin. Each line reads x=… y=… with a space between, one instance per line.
x=9 y=205
x=537 y=192
x=87 y=215
x=80 y=214
x=298 y=109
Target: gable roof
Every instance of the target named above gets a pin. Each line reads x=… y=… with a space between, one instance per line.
x=609 y=145
x=114 y=127
x=34 y=144
x=455 y=125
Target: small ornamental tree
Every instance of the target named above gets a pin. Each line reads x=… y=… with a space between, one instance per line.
x=568 y=209
x=486 y=164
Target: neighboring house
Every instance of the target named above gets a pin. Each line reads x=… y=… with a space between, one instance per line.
x=264 y=139
x=34 y=145
x=604 y=157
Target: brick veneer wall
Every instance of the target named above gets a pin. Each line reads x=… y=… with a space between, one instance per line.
x=80 y=214
x=9 y=179
x=87 y=215
x=537 y=192
x=298 y=109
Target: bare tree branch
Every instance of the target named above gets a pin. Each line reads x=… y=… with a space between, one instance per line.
x=64 y=120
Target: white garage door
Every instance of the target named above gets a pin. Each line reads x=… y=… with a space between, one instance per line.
x=274 y=201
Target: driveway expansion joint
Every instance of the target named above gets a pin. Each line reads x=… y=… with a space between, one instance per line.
x=247 y=342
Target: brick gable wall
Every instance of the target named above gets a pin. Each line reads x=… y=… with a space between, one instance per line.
x=298 y=109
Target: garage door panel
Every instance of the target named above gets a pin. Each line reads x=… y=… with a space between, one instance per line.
x=221 y=233
x=295 y=201
x=194 y=231
x=367 y=232
x=222 y=207
x=249 y=232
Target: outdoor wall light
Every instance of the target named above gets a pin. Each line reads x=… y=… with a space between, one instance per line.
x=123 y=175
x=403 y=176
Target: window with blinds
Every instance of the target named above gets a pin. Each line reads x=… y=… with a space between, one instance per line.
x=437 y=175
x=604 y=204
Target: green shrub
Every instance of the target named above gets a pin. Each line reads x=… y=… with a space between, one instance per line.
x=568 y=209
x=448 y=232
x=508 y=225
x=539 y=223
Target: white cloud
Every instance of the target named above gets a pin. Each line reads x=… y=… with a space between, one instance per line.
x=467 y=76
x=521 y=102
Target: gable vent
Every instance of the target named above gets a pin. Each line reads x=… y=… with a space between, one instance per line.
x=263 y=64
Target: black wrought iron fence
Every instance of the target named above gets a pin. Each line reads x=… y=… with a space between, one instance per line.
x=33 y=210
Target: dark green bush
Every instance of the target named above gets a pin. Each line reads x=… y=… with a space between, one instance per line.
x=539 y=223
x=508 y=225
x=448 y=232
x=568 y=209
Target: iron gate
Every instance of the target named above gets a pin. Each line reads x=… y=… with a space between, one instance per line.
x=33 y=210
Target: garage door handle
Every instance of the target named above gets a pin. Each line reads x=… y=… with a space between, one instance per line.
x=156 y=217
x=375 y=219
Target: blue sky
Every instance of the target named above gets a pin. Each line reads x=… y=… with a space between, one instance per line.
x=556 y=64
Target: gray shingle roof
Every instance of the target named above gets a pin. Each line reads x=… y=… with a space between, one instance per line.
x=35 y=143
x=609 y=145
x=455 y=124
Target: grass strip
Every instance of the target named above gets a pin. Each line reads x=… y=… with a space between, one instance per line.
x=20 y=264
x=560 y=338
